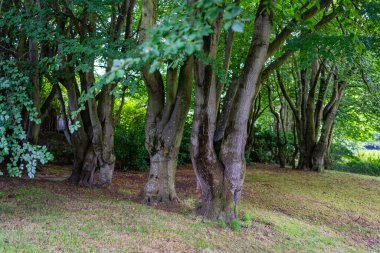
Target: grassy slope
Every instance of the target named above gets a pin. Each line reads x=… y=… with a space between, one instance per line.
x=292 y=211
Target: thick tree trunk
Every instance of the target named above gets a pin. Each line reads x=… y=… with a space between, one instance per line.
x=165 y=118
x=79 y=139
x=233 y=144
x=221 y=176
x=161 y=183
x=207 y=167
x=86 y=177
x=164 y=132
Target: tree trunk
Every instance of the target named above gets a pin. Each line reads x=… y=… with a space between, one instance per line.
x=164 y=132
x=79 y=139
x=34 y=128
x=161 y=183
x=221 y=176
x=88 y=169
x=62 y=110
x=165 y=118
x=313 y=120
x=281 y=158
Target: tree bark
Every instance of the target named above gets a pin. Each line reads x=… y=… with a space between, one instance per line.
x=165 y=119
x=79 y=139
x=221 y=174
x=34 y=128
x=164 y=131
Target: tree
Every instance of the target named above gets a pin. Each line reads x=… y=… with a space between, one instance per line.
x=281 y=139
x=221 y=178
x=168 y=105
x=218 y=144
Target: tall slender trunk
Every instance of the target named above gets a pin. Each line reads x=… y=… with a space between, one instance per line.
x=280 y=129
x=320 y=150
x=34 y=128
x=62 y=110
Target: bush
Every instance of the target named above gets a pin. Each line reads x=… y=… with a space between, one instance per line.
x=129 y=146
x=235 y=225
x=265 y=147
x=130 y=150
x=366 y=162
x=184 y=150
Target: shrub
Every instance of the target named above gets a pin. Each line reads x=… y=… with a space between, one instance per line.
x=129 y=149
x=235 y=225
x=342 y=158
x=129 y=146
x=184 y=150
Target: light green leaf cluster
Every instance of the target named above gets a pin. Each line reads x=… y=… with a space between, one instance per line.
x=15 y=151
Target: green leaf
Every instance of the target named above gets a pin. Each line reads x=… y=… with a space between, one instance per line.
x=120 y=73
x=110 y=77
x=238 y=26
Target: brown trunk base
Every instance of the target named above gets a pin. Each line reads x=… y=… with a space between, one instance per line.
x=74 y=177
x=106 y=172
x=318 y=164
x=89 y=165
x=161 y=183
x=218 y=209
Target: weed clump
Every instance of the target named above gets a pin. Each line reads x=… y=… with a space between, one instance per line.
x=235 y=225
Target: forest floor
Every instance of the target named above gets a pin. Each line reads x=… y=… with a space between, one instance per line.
x=284 y=210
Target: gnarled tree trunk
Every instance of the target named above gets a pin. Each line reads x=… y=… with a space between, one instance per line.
x=93 y=142
x=221 y=172
x=165 y=119
x=79 y=139
x=165 y=123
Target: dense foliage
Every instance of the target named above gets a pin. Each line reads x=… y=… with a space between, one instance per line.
x=15 y=150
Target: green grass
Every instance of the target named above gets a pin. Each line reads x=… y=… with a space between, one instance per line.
x=281 y=211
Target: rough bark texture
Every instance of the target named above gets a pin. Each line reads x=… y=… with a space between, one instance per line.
x=79 y=139
x=165 y=123
x=165 y=119
x=34 y=128
x=221 y=172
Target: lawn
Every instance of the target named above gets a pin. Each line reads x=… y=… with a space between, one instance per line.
x=281 y=211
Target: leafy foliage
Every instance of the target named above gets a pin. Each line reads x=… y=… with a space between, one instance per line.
x=15 y=151
x=130 y=150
